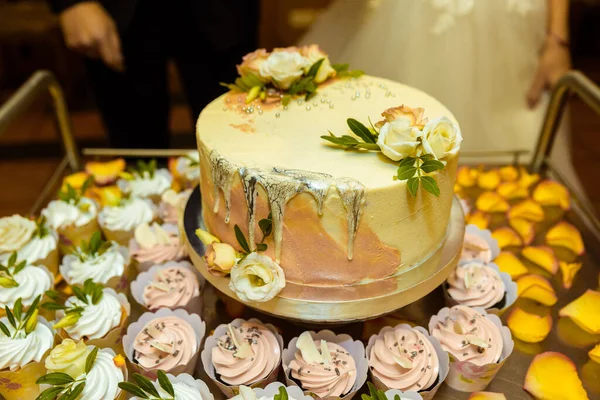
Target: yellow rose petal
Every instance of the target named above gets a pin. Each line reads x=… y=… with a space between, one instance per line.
x=538 y=288
x=508 y=173
x=488 y=180
x=491 y=202
x=531 y=325
x=552 y=376
x=508 y=262
x=565 y=235
x=525 y=229
x=595 y=354
x=105 y=172
x=512 y=190
x=551 y=193
x=542 y=256
x=584 y=311
x=75 y=180
x=528 y=210
x=466 y=176
x=506 y=237
x=478 y=218
x=568 y=271
x=487 y=396
x=526 y=179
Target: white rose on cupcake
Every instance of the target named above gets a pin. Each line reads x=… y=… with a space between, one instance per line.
x=257 y=278
x=313 y=54
x=15 y=231
x=441 y=137
x=283 y=67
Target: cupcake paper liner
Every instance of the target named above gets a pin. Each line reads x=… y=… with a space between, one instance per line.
x=194 y=306
x=114 y=338
x=193 y=382
x=510 y=291
x=70 y=236
x=211 y=342
x=20 y=384
x=272 y=389
x=410 y=395
x=466 y=376
x=486 y=235
x=134 y=246
x=355 y=347
x=442 y=357
x=135 y=328
x=118 y=283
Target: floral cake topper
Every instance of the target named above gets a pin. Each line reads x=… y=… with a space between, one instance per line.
x=405 y=135
x=286 y=72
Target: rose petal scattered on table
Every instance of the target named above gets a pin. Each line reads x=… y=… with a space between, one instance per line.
x=506 y=237
x=542 y=256
x=508 y=173
x=508 y=262
x=538 y=288
x=75 y=180
x=467 y=176
x=512 y=190
x=486 y=396
x=491 y=202
x=479 y=219
x=488 y=180
x=526 y=179
x=584 y=311
x=595 y=354
x=568 y=272
x=572 y=335
x=565 y=235
x=524 y=228
x=530 y=327
x=553 y=375
x=528 y=210
x=105 y=172
x=107 y=195
x=552 y=193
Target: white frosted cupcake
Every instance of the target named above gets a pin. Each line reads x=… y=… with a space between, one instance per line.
x=119 y=222
x=156 y=244
x=146 y=181
x=95 y=314
x=73 y=216
x=100 y=369
x=188 y=169
x=270 y=392
x=23 y=281
x=391 y=394
x=167 y=386
x=101 y=261
x=25 y=339
x=172 y=205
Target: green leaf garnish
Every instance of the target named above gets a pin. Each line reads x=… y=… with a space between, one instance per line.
x=413 y=185
x=282 y=395
x=80 y=294
x=10 y=317
x=361 y=131
x=261 y=247
x=55 y=378
x=432 y=165
x=340 y=67
x=430 y=185
x=146 y=385
x=406 y=171
x=12 y=259
x=18 y=308
x=133 y=390
x=239 y=235
x=4 y=329
x=165 y=383
x=314 y=69
x=74 y=392
x=50 y=393
x=266 y=226
x=90 y=360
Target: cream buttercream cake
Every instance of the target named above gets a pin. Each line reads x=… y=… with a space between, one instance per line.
x=336 y=217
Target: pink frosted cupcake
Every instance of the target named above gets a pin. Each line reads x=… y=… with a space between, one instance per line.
x=478 y=245
x=172 y=205
x=156 y=244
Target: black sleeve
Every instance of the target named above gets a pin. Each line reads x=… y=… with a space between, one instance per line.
x=58 y=6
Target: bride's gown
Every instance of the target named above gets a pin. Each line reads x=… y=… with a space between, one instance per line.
x=478 y=57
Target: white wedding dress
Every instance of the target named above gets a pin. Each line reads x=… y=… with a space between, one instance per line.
x=478 y=57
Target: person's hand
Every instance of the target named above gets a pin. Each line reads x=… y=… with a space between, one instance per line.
x=89 y=30
x=555 y=61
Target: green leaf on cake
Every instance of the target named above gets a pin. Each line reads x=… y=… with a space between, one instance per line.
x=360 y=130
x=413 y=185
x=407 y=161
x=146 y=385
x=165 y=383
x=314 y=69
x=430 y=185
x=406 y=172
x=261 y=247
x=432 y=165
x=340 y=67
x=285 y=100
x=133 y=390
x=266 y=226
x=239 y=235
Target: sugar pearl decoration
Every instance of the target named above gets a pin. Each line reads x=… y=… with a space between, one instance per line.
x=323 y=100
x=277 y=115
x=307 y=108
x=331 y=106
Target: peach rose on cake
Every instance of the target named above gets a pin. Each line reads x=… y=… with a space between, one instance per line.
x=220 y=258
x=313 y=53
x=415 y=115
x=252 y=62
x=441 y=137
x=283 y=67
x=256 y=278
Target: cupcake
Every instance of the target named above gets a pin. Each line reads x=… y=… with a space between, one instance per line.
x=25 y=339
x=172 y=205
x=156 y=244
x=478 y=244
x=73 y=216
x=167 y=340
x=95 y=372
x=171 y=285
x=95 y=314
x=187 y=169
x=273 y=390
x=146 y=181
x=23 y=281
x=167 y=386
x=101 y=261
x=476 y=342
x=242 y=353
x=34 y=241
x=119 y=221
x=325 y=365
x=407 y=359
x=479 y=285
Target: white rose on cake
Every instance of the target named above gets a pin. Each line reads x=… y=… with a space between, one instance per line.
x=441 y=137
x=399 y=139
x=15 y=231
x=252 y=62
x=313 y=54
x=283 y=67
x=257 y=278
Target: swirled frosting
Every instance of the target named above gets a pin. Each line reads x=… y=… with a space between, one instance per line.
x=404 y=359
x=102 y=382
x=264 y=357
x=475 y=248
x=146 y=186
x=476 y=285
x=99 y=268
x=157 y=244
x=335 y=378
x=172 y=288
x=183 y=388
x=186 y=169
x=96 y=319
x=469 y=336
x=60 y=214
x=165 y=343
x=33 y=281
x=172 y=205
x=35 y=249
x=18 y=351
x=128 y=215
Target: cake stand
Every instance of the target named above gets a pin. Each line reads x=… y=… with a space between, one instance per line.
x=335 y=305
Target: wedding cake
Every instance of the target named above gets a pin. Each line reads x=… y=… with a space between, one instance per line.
x=319 y=176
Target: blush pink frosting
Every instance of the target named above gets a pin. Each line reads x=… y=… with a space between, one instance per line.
x=159 y=254
x=485 y=290
x=456 y=330
x=334 y=379
x=174 y=335
x=237 y=371
x=412 y=345
x=475 y=248
x=171 y=288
